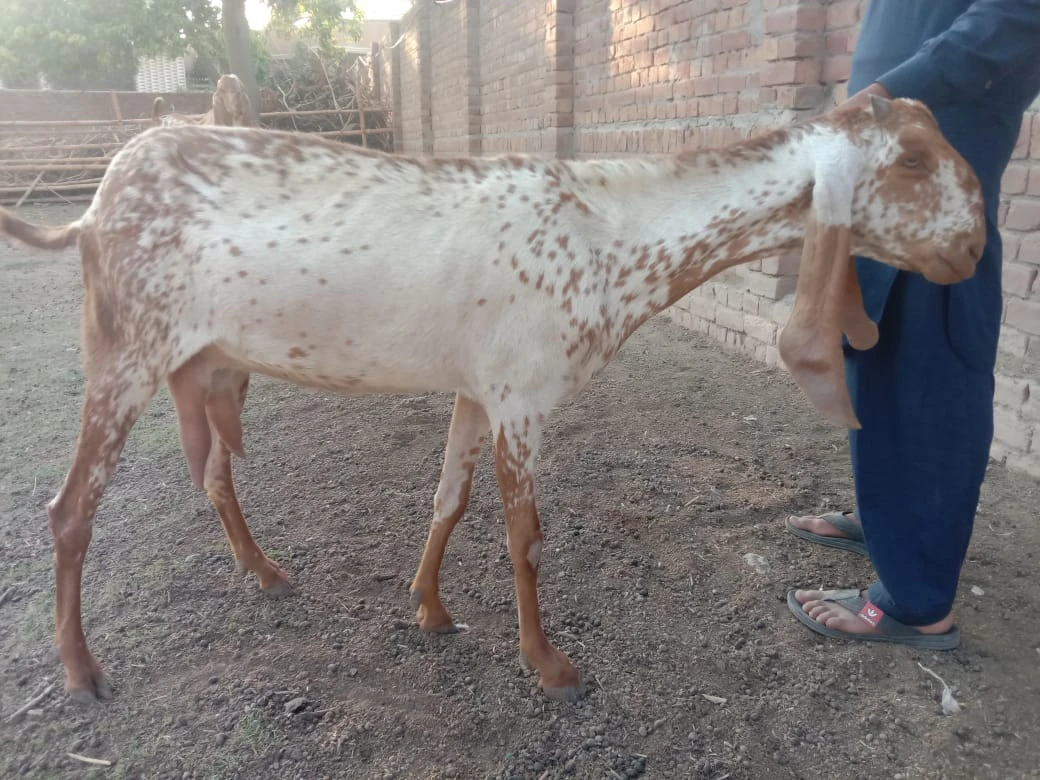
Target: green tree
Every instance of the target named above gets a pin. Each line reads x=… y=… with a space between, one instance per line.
x=79 y=44
x=82 y=44
x=315 y=19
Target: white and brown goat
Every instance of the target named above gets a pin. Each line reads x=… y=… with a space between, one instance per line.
x=212 y=253
x=231 y=107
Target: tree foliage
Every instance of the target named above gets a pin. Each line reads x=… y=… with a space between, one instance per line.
x=83 y=44
x=318 y=20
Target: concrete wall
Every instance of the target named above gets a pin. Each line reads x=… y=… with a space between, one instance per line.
x=61 y=105
x=614 y=77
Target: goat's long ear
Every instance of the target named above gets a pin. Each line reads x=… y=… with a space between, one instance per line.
x=828 y=302
x=221 y=115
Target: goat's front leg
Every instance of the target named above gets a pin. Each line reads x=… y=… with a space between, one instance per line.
x=469 y=429
x=516 y=447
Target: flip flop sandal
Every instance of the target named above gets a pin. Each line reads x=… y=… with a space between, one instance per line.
x=890 y=629
x=851 y=542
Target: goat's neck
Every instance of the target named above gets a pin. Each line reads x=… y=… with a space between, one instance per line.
x=692 y=216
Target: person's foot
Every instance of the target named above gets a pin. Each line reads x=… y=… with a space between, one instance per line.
x=832 y=529
x=836 y=617
x=821 y=525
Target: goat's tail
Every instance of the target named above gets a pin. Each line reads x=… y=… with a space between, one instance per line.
x=40 y=236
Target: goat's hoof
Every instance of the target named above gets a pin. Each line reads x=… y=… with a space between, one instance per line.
x=415 y=599
x=433 y=619
x=566 y=693
x=277 y=589
x=436 y=620
x=450 y=628
x=95 y=688
x=559 y=679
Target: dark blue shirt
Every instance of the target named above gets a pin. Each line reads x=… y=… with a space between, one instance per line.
x=976 y=64
x=980 y=54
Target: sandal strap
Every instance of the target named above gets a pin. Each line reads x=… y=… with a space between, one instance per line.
x=842 y=523
x=871 y=613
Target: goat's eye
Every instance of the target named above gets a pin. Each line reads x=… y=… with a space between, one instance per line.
x=911 y=162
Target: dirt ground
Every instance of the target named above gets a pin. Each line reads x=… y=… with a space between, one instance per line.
x=676 y=462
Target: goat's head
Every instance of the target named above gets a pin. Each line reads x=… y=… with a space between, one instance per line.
x=888 y=186
x=231 y=102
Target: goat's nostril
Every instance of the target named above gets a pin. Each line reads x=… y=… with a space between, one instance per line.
x=976 y=251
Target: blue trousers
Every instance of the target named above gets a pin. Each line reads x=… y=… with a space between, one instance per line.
x=920 y=458
x=924 y=397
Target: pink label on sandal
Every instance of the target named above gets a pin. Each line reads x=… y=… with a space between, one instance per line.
x=871 y=614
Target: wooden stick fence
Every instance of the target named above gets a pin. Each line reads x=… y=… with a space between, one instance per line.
x=30 y=167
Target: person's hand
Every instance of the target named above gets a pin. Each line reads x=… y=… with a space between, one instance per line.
x=862 y=98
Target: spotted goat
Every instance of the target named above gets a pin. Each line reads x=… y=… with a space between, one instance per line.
x=231 y=107
x=212 y=253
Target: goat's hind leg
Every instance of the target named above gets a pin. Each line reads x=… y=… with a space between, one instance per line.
x=209 y=403
x=115 y=397
x=223 y=413
x=469 y=429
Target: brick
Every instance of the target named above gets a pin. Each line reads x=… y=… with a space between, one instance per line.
x=732 y=319
x=734 y=82
x=1023 y=316
x=1021 y=151
x=782 y=265
x=750 y=304
x=838 y=43
x=778 y=311
x=1033 y=187
x=795 y=19
x=1023 y=214
x=837 y=68
x=701 y=307
x=1012 y=244
x=771 y=287
x=790 y=72
x=801 y=97
x=705 y=85
x=735 y=340
x=1029 y=463
x=1030 y=408
x=844 y=13
x=1018 y=279
x=1029 y=248
x=1010 y=430
x=735 y=299
x=1014 y=181
x=1012 y=342
x=798 y=46
x=1011 y=392
x=760 y=328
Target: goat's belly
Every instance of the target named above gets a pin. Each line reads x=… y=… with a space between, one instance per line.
x=340 y=365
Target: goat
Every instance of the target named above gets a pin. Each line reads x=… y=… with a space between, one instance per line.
x=231 y=107
x=212 y=253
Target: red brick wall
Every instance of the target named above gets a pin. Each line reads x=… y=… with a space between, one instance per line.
x=512 y=84
x=405 y=58
x=448 y=88
x=617 y=77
